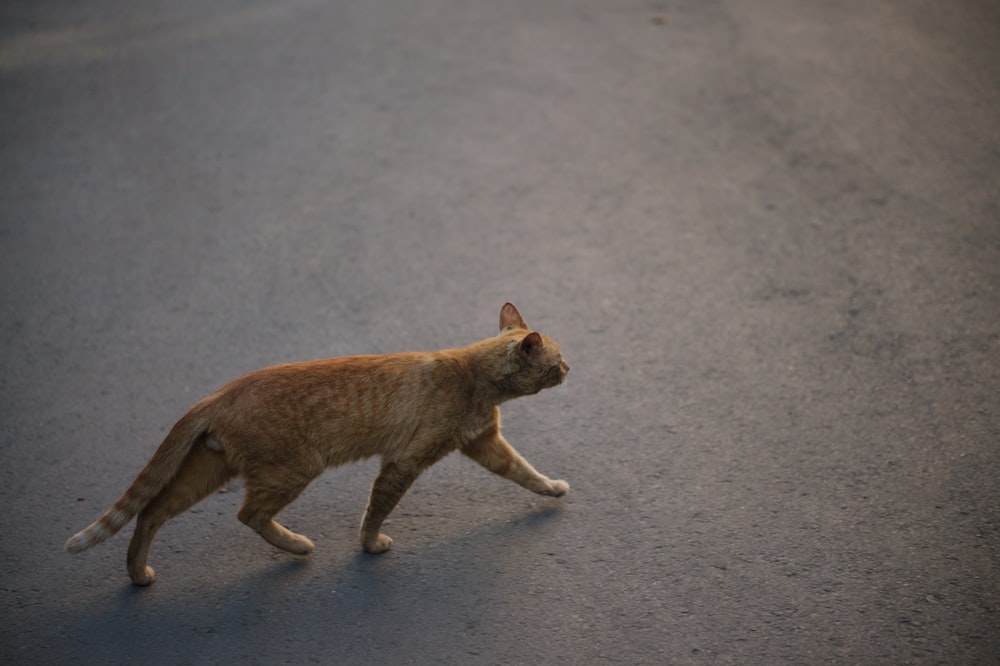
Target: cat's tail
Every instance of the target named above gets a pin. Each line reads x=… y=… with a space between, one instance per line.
x=153 y=478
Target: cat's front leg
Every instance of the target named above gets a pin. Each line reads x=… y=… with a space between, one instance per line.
x=494 y=453
x=391 y=483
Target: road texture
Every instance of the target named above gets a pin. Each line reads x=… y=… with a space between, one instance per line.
x=766 y=233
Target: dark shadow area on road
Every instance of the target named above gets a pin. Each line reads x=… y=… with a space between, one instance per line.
x=392 y=595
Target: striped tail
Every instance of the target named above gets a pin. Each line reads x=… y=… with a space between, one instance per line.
x=153 y=478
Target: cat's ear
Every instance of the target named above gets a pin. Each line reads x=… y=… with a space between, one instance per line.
x=511 y=318
x=530 y=343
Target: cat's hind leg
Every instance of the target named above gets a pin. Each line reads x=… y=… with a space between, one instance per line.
x=262 y=503
x=203 y=471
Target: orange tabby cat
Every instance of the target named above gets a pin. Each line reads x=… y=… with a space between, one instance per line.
x=281 y=426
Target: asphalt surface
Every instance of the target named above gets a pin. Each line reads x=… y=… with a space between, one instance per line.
x=766 y=234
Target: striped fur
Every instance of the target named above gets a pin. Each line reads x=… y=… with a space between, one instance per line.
x=281 y=426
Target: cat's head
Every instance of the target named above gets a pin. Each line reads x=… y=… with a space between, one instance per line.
x=534 y=360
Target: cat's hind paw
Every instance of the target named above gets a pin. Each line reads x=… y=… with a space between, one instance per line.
x=300 y=545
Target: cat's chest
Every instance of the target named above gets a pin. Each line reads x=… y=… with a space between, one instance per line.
x=476 y=424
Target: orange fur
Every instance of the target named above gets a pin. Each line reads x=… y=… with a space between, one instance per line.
x=281 y=426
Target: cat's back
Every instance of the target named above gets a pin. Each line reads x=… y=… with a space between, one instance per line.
x=367 y=405
x=346 y=379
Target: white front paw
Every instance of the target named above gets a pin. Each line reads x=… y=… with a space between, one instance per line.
x=556 y=489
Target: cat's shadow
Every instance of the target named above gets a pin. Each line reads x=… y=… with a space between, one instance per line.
x=485 y=542
x=363 y=587
x=486 y=536
x=342 y=597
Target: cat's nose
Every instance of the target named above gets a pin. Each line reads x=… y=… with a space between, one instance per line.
x=565 y=367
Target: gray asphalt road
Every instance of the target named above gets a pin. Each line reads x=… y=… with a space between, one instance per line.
x=766 y=233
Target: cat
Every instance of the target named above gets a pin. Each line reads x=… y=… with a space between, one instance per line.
x=281 y=426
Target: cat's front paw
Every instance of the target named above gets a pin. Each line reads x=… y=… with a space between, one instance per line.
x=144 y=577
x=379 y=544
x=556 y=489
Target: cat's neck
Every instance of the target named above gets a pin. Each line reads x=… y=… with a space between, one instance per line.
x=486 y=368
